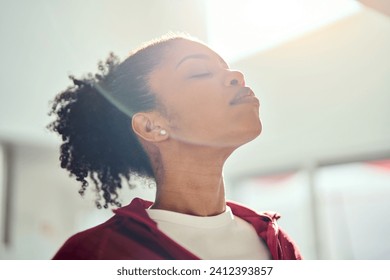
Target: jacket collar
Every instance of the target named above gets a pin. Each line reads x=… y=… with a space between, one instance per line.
x=136 y=211
x=265 y=223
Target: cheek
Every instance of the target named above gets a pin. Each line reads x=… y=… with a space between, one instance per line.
x=196 y=104
x=197 y=121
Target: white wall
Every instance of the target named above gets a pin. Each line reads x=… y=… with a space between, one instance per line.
x=44 y=41
x=46 y=207
x=324 y=96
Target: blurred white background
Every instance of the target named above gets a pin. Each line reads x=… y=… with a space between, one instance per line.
x=321 y=69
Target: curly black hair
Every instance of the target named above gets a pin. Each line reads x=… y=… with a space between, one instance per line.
x=98 y=141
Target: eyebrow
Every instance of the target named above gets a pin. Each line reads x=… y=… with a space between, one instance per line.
x=198 y=56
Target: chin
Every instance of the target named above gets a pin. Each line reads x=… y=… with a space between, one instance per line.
x=255 y=133
x=254 y=130
x=248 y=134
x=259 y=129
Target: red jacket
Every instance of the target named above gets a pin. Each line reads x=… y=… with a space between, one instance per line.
x=130 y=234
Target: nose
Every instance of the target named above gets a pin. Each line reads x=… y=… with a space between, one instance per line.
x=235 y=78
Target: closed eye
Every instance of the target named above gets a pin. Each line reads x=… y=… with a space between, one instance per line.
x=201 y=75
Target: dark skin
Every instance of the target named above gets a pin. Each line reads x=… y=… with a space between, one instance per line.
x=203 y=127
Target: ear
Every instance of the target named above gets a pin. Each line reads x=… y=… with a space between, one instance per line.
x=149 y=126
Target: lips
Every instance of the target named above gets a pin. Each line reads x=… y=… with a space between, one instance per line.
x=244 y=95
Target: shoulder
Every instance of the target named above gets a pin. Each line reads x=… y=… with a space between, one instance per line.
x=289 y=249
x=121 y=237
x=245 y=212
x=87 y=244
x=265 y=223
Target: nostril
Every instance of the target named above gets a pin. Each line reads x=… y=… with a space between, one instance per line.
x=234 y=82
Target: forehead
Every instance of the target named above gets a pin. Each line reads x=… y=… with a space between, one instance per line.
x=183 y=49
x=166 y=76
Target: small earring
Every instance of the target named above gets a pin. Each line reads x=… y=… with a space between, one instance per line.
x=163 y=132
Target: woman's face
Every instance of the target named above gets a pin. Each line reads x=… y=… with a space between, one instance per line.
x=206 y=102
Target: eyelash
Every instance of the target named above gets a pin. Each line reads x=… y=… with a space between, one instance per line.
x=201 y=75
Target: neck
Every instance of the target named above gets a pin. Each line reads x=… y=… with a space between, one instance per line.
x=191 y=181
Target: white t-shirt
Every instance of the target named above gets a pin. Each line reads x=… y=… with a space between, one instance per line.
x=219 y=237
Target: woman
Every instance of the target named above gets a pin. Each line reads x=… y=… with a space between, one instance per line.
x=172 y=111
